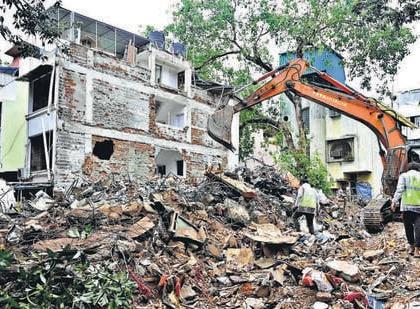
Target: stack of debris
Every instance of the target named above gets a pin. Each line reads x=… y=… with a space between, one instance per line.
x=225 y=243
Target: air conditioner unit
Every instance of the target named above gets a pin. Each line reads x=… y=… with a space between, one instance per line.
x=336 y=154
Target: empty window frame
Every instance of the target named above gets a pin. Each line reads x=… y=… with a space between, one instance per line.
x=341 y=150
x=181 y=80
x=38 y=160
x=171 y=113
x=161 y=170
x=415 y=120
x=40 y=89
x=305 y=118
x=180 y=167
x=169 y=162
x=333 y=113
x=158 y=73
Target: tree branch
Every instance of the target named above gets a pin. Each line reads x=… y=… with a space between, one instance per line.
x=211 y=59
x=278 y=125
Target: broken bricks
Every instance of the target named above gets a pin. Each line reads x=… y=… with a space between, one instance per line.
x=140 y=227
x=207 y=261
x=239 y=259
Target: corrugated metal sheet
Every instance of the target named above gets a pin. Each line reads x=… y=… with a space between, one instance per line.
x=324 y=60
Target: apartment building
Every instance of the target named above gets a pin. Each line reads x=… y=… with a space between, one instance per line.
x=106 y=103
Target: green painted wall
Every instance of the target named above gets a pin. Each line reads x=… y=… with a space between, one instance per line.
x=14 y=130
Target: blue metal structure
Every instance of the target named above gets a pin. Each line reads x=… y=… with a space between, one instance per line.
x=9 y=70
x=325 y=60
x=157 y=38
x=179 y=49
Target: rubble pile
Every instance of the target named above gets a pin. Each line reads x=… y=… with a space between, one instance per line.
x=227 y=242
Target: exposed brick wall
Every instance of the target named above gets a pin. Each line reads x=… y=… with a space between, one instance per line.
x=128 y=158
x=170 y=133
x=152 y=114
x=197 y=163
x=108 y=64
x=78 y=54
x=72 y=96
x=70 y=154
x=119 y=108
x=201 y=137
x=198 y=118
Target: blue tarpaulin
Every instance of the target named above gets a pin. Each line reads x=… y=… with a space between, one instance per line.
x=374 y=303
x=364 y=191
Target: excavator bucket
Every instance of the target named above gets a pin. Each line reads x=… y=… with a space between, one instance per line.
x=219 y=126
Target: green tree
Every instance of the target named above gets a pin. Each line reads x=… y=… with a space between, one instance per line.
x=225 y=37
x=29 y=18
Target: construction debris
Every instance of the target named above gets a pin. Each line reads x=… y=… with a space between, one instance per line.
x=210 y=245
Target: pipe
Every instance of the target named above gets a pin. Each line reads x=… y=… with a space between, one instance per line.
x=47 y=156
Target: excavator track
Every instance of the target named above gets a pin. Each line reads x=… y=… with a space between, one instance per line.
x=377 y=213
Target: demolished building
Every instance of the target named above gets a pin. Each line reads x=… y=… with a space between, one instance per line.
x=114 y=103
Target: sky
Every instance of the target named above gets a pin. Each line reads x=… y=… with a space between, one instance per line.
x=126 y=14
x=129 y=15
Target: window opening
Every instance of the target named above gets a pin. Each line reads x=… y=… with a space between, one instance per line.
x=340 y=150
x=180 y=168
x=104 y=150
x=158 y=73
x=161 y=170
x=305 y=118
x=37 y=160
x=181 y=80
x=40 y=92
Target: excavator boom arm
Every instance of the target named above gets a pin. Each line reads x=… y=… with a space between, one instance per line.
x=339 y=97
x=330 y=93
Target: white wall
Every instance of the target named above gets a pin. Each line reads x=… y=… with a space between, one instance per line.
x=167 y=114
x=169 y=158
x=169 y=77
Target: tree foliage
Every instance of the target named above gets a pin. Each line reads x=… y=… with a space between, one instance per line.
x=28 y=18
x=63 y=280
x=225 y=37
x=302 y=166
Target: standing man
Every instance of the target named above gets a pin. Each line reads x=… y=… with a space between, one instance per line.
x=408 y=190
x=307 y=204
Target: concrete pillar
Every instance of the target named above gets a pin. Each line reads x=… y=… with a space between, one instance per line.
x=188 y=78
x=152 y=67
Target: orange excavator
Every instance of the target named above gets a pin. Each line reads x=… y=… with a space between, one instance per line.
x=305 y=81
